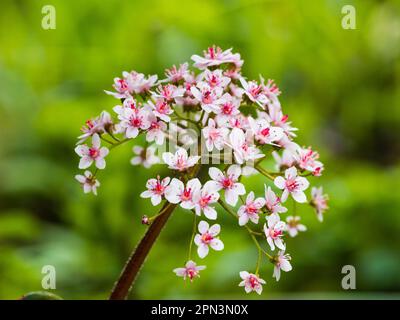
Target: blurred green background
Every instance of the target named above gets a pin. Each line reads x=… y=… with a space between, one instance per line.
x=340 y=87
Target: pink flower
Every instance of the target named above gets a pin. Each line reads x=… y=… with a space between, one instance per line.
x=161 y=109
x=228 y=182
x=215 y=137
x=293 y=185
x=281 y=262
x=307 y=160
x=180 y=160
x=227 y=109
x=156 y=132
x=146 y=157
x=88 y=181
x=263 y=132
x=176 y=192
x=191 y=270
x=214 y=56
x=254 y=91
x=98 y=125
x=175 y=74
x=134 y=120
x=215 y=79
x=132 y=82
x=274 y=231
x=207 y=238
x=250 y=210
x=93 y=154
x=251 y=282
x=243 y=150
x=203 y=198
x=293 y=226
x=209 y=98
x=169 y=92
x=280 y=120
x=155 y=189
x=272 y=202
x=319 y=201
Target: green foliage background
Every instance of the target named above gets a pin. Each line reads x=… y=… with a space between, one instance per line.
x=340 y=87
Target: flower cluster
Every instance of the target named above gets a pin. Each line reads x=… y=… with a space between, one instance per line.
x=239 y=123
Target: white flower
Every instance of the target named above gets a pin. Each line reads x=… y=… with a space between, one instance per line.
x=307 y=160
x=242 y=149
x=214 y=56
x=228 y=109
x=88 y=181
x=251 y=209
x=98 y=125
x=156 y=132
x=180 y=160
x=169 y=92
x=263 y=132
x=215 y=137
x=293 y=226
x=207 y=238
x=319 y=201
x=156 y=189
x=161 y=109
x=272 y=202
x=229 y=182
x=286 y=161
x=292 y=184
x=145 y=156
x=92 y=154
x=191 y=270
x=203 y=198
x=176 y=192
x=281 y=262
x=274 y=231
x=251 y=282
x=175 y=74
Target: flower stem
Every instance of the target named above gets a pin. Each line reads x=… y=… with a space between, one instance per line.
x=136 y=260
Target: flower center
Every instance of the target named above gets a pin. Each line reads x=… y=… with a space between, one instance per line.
x=291 y=185
x=206 y=238
x=253 y=281
x=227 y=183
x=94 y=153
x=265 y=132
x=136 y=122
x=186 y=194
x=207 y=97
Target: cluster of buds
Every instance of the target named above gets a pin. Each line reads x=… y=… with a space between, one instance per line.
x=211 y=117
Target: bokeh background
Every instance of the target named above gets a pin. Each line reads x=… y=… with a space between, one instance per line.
x=340 y=87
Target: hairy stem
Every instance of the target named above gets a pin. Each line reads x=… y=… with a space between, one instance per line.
x=136 y=260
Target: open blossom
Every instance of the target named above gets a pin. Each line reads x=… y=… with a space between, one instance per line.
x=144 y=156
x=227 y=109
x=228 y=182
x=319 y=201
x=190 y=270
x=204 y=198
x=251 y=282
x=215 y=137
x=243 y=150
x=88 y=181
x=274 y=231
x=155 y=189
x=251 y=209
x=263 y=132
x=209 y=98
x=161 y=109
x=214 y=56
x=272 y=202
x=293 y=226
x=132 y=82
x=281 y=262
x=292 y=184
x=169 y=92
x=180 y=160
x=95 y=154
x=254 y=92
x=177 y=192
x=215 y=78
x=207 y=237
x=134 y=120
